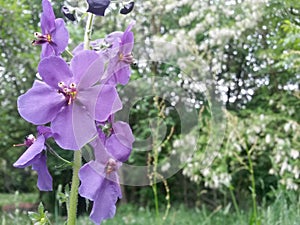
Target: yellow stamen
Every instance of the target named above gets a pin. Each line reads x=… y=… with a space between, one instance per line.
x=48 y=37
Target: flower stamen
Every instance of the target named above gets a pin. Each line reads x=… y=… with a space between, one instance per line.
x=27 y=142
x=110 y=166
x=70 y=92
x=128 y=58
x=41 y=38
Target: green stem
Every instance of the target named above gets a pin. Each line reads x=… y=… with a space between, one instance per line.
x=88 y=31
x=154 y=188
x=69 y=53
x=155 y=156
x=253 y=190
x=234 y=201
x=74 y=189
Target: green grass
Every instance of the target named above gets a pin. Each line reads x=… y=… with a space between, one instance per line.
x=284 y=211
x=8 y=199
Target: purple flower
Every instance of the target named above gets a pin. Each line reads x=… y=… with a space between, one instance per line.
x=99 y=178
x=54 y=37
x=116 y=49
x=98 y=7
x=35 y=156
x=118 y=71
x=70 y=99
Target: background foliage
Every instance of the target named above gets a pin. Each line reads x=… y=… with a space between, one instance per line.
x=246 y=54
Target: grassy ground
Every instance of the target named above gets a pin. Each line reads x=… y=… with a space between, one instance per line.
x=284 y=211
x=7 y=199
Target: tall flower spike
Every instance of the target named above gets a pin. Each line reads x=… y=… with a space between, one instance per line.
x=35 y=156
x=55 y=36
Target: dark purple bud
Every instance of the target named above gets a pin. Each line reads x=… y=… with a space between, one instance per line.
x=67 y=13
x=127 y=8
x=98 y=7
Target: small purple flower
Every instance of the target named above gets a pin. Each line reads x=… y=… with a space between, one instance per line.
x=99 y=178
x=116 y=49
x=98 y=7
x=118 y=71
x=70 y=99
x=35 y=156
x=54 y=37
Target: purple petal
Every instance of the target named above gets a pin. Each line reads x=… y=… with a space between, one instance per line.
x=130 y=26
x=73 y=127
x=87 y=68
x=117 y=72
x=119 y=144
x=122 y=75
x=104 y=206
x=91 y=176
x=127 y=42
x=112 y=53
x=123 y=129
x=44 y=178
x=108 y=102
x=60 y=37
x=88 y=98
x=47 y=18
x=101 y=155
x=45 y=131
x=53 y=70
x=112 y=37
x=114 y=145
x=78 y=49
x=29 y=155
x=47 y=50
x=40 y=104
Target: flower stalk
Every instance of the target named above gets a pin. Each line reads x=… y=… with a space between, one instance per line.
x=72 y=212
x=88 y=31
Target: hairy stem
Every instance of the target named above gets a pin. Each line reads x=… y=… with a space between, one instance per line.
x=74 y=189
x=88 y=31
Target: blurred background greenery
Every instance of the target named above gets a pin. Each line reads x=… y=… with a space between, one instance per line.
x=246 y=51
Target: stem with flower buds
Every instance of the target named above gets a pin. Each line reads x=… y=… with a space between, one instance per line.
x=72 y=211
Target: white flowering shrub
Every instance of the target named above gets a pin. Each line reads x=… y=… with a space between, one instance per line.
x=273 y=144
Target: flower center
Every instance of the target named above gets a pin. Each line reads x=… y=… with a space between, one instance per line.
x=111 y=166
x=127 y=58
x=48 y=37
x=41 y=38
x=70 y=92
